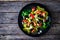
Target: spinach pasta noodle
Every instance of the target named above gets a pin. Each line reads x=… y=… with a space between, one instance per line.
x=34 y=19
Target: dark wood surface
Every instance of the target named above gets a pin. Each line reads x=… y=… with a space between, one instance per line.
x=9 y=29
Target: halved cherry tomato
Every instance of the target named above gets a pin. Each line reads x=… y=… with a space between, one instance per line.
x=32 y=16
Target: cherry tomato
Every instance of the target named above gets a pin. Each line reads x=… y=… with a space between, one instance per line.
x=32 y=16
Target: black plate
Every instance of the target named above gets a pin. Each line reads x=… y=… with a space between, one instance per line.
x=20 y=18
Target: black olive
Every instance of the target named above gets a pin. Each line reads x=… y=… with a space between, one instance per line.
x=40 y=16
x=34 y=14
x=40 y=20
x=32 y=23
x=31 y=19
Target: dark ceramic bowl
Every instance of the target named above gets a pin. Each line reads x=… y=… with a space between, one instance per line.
x=20 y=18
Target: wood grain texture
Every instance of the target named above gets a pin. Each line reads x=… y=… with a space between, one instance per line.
x=9 y=18
x=9 y=29
x=25 y=37
x=11 y=6
x=17 y=0
x=16 y=6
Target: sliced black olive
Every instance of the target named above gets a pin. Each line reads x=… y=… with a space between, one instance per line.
x=32 y=23
x=31 y=19
x=40 y=16
x=34 y=14
x=40 y=20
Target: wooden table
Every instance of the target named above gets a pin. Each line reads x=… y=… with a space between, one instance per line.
x=9 y=29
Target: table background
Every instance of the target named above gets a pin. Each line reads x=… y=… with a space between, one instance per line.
x=9 y=11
